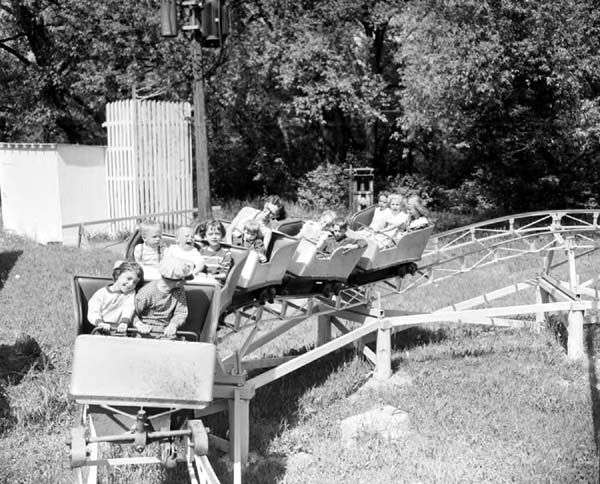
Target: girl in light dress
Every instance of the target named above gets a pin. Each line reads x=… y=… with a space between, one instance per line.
x=381 y=213
x=417 y=213
x=111 y=308
x=318 y=230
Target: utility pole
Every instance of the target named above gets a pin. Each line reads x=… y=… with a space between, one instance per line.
x=208 y=22
x=200 y=134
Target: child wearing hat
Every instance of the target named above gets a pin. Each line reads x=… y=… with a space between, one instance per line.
x=161 y=305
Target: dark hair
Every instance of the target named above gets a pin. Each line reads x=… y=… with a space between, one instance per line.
x=200 y=229
x=125 y=266
x=215 y=224
x=341 y=222
x=278 y=202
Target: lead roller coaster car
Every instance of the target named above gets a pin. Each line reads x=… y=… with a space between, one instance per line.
x=139 y=391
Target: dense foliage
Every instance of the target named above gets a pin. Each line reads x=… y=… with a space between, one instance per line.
x=491 y=103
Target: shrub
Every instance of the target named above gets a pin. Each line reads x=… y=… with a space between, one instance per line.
x=324 y=187
x=467 y=199
x=414 y=183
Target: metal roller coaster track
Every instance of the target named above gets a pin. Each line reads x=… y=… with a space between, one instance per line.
x=452 y=253
x=478 y=245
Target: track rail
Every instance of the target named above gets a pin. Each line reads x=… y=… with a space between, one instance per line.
x=474 y=246
x=452 y=253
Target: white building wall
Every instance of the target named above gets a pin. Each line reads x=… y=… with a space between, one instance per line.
x=82 y=186
x=30 y=193
x=45 y=186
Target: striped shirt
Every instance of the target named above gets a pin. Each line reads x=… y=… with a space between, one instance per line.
x=159 y=309
x=146 y=255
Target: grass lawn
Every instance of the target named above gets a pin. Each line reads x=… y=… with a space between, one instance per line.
x=485 y=406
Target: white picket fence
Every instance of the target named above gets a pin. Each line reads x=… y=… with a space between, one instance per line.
x=148 y=161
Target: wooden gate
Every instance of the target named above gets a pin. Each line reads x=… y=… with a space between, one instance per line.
x=148 y=161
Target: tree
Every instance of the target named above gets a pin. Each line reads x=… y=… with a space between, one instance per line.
x=309 y=83
x=498 y=92
x=64 y=60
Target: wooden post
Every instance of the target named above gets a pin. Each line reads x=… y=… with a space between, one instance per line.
x=239 y=435
x=323 y=330
x=383 y=369
x=575 y=318
x=384 y=351
x=573 y=282
x=541 y=297
x=200 y=135
x=575 y=335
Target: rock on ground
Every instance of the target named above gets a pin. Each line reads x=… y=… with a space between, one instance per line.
x=389 y=423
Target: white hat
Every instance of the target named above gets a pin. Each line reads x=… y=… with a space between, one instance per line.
x=176 y=269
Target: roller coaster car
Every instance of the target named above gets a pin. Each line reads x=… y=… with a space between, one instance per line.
x=288 y=226
x=138 y=390
x=238 y=255
x=308 y=263
x=256 y=275
x=407 y=248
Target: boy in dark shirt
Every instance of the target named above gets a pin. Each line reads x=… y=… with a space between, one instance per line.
x=338 y=238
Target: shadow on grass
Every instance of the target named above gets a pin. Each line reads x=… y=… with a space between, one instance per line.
x=7 y=262
x=15 y=361
x=412 y=337
x=591 y=338
x=277 y=407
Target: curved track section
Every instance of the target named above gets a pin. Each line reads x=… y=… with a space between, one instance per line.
x=481 y=244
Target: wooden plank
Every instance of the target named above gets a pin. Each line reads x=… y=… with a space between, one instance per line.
x=474 y=314
x=134 y=158
x=222 y=444
x=205 y=471
x=490 y=296
x=556 y=289
x=151 y=157
x=165 y=129
x=365 y=350
x=323 y=329
x=268 y=336
x=172 y=147
x=312 y=355
x=239 y=422
x=108 y=166
x=265 y=362
x=173 y=142
x=128 y=189
x=162 y=160
x=150 y=207
x=118 y=178
x=133 y=184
